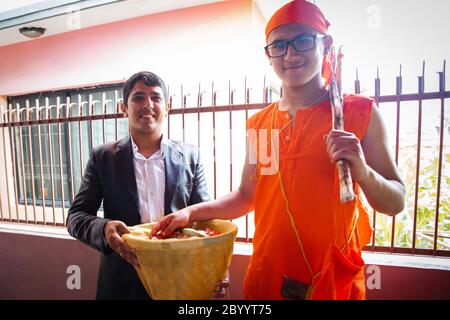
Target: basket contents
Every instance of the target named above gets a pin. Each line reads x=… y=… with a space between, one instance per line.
x=184 y=233
x=187 y=233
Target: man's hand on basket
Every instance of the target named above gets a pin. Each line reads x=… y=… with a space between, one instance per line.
x=113 y=231
x=219 y=291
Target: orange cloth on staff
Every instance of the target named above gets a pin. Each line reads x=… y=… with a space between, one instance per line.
x=311 y=185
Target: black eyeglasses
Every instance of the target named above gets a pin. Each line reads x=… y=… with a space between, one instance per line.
x=301 y=43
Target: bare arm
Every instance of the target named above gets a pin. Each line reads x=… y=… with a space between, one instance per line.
x=383 y=186
x=231 y=206
x=371 y=164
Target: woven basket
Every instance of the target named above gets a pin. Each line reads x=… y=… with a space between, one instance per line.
x=186 y=269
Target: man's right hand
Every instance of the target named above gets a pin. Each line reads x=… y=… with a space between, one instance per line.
x=113 y=231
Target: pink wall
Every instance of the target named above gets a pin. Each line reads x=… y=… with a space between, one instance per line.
x=34 y=267
x=181 y=43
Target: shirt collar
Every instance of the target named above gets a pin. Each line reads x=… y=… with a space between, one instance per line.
x=160 y=153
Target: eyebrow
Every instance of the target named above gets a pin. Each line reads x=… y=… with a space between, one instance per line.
x=151 y=93
x=295 y=37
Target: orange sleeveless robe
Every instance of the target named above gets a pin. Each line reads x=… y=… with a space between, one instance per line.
x=332 y=234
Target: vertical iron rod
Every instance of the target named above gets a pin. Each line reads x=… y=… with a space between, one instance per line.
x=214 y=96
x=421 y=89
x=61 y=175
x=41 y=163
x=50 y=154
x=246 y=102
x=398 y=89
x=22 y=163
x=12 y=134
x=80 y=138
x=377 y=99
x=441 y=145
x=69 y=105
x=30 y=148
x=4 y=129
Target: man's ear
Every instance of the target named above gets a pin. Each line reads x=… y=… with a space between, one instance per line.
x=124 y=109
x=168 y=106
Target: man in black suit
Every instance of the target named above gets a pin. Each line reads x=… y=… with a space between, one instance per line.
x=140 y=179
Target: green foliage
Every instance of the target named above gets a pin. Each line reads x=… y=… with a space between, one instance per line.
x=426 y=202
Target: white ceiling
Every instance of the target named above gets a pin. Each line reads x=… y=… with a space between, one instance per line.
x=59 y=16
x=70 y=17
x=78 y=15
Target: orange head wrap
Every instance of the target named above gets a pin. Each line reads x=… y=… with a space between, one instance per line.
x=306 y=13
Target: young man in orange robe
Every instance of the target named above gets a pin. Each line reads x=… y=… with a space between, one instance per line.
x=307 y=245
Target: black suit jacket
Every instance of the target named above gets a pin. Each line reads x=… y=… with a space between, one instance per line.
x=109 y=177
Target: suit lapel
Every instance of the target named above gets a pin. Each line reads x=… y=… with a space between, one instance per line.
x=124 y=162
x=172 y=169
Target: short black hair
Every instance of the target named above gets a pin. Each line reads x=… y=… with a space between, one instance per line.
x=149 y=78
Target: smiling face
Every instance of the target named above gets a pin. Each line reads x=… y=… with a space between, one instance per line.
x=145 y=109
x=295 y=69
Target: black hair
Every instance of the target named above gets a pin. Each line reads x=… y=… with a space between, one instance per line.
x=149 y=78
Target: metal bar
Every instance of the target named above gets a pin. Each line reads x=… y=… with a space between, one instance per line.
x=357 y=83
x=13 y=159
x=90 y=124
x=441 y=145
x=414 y=97
x=41 y=163
x=199 y=103
x=398 y=92
x=50 y=157
x=168 y=116
x=63 y=120
x=378 y=86
x=244 y=240
x=69 y=149
x=421 y=89
x=104 y=111
x=214 y=101
x=3 y=114
x=30 y=147
x=231 y=135
x=169 y=107
x=61 y=174
x=377 y=101
x=183 y=107
x=211 y=109
x=22 y=165
x=246 y=104
x=398 y=89
x=80 y=138
x=236 y=107
x=118 y=109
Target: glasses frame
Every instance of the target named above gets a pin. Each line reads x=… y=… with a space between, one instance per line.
x=291 y=43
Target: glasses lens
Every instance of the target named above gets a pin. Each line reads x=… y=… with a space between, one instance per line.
x=304 y=42
x=277 y=49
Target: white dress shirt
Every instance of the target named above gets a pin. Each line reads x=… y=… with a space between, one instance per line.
x=151 y=182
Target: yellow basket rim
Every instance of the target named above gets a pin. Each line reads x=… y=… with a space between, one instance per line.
x=172 y=241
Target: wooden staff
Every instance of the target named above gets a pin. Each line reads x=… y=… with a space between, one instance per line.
x=337 y=110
